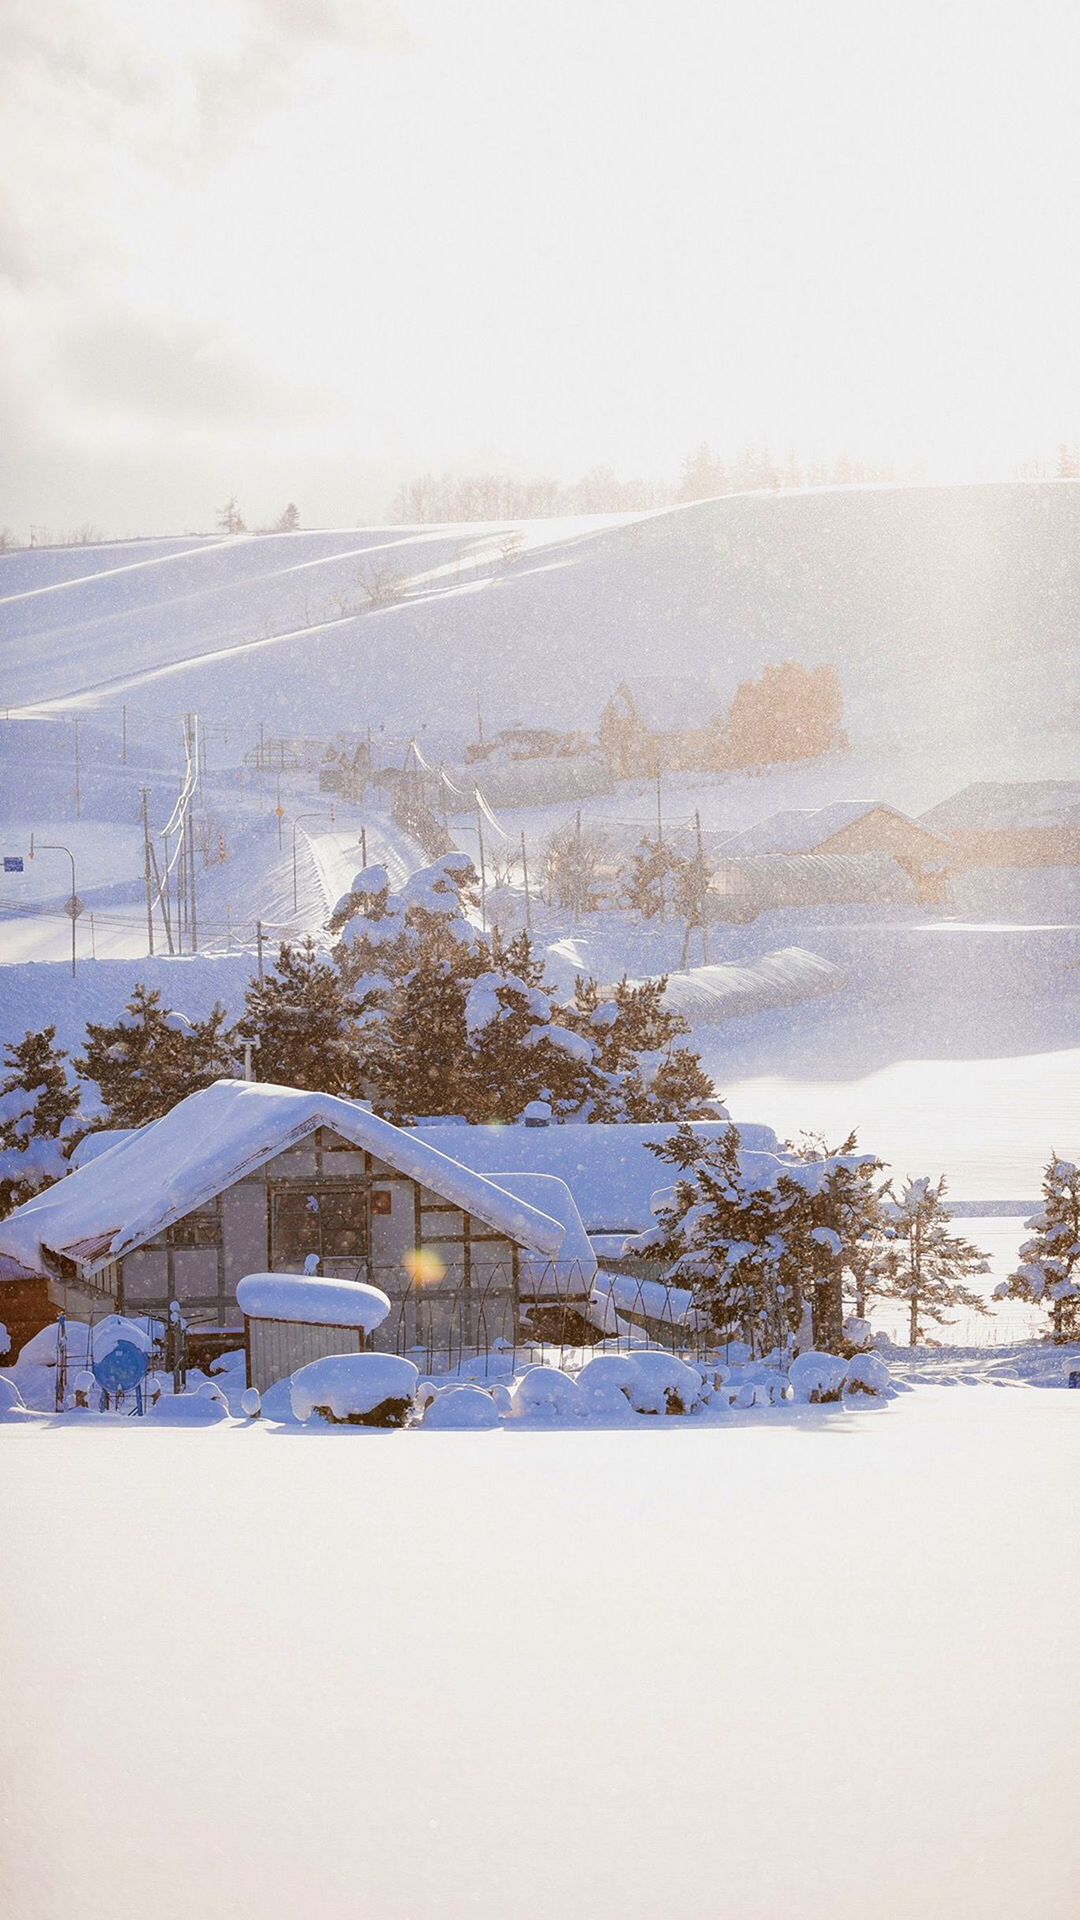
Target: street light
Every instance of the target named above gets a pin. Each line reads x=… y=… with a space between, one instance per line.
x=73 y=908
x=300 y=818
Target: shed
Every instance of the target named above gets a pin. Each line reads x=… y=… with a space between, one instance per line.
x=291 y=1318
x=852 y=827
x=741 y=889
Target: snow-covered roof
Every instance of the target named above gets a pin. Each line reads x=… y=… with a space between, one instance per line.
x=606 y=1164
x=102 y=1140
x=1002 y=806
x=311 y=1300
x=802 y=831
x=577 y=1261
x=211 y=1140
x=669 y=703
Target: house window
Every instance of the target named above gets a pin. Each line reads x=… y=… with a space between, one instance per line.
x=330 y=1222
x=195 y=1230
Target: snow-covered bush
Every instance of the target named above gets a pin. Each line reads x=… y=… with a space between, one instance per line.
x=608 y=1383
x=251 y=1402
x=818 y=1376
x=462 y=1406
x=547 y=1394
x=193 y=1408
x=662 y=1383
x=868 y=1374
x=858 y=1335
x=355 y=1389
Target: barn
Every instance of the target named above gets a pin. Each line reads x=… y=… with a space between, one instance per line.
x=853 y=828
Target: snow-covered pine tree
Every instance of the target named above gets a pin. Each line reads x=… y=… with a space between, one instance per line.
x=640 y=1072
x=520 y=1049
x=926 y=1265
x=718 y=1232
x=37 y=1108
x=152 y=1057
x=831 y=1209
x=305 y=1019
x=1049 y=1270
x=421 y=1067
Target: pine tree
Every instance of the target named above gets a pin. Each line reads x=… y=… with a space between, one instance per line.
x=832 y=1209
x=719 y=1234
x=37 y=1103
x=289 y=520
x=151 y=1058
x=1049 y=1270
x=422 y=1067
x=519 y=1048
x=924 y=1264
x=305 y=1019
x=639 y=1072
x=230 y=519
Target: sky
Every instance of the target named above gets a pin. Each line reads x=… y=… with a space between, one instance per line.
x=305 y=249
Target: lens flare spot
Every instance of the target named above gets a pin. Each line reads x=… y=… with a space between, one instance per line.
x=424 y=1266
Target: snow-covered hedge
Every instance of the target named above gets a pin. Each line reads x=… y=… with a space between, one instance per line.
x=817 y=1377
x=462 y=1406
x=359 y=1389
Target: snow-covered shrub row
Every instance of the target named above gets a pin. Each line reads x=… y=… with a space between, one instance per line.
x=358 y=1389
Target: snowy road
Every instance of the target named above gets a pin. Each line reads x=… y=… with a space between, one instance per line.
x=793 y=1665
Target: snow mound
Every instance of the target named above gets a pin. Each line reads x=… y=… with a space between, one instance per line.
x=463 y=1406
x=545 y=1393
x=369 y=1389
x=662 y=1383
x=12 y=1405
x=818 y=1376
x=195 y=1408
x=251 y=1402
x=312 y=1300
x=608 y=1383
x=86 y=1343
x=867 y=1373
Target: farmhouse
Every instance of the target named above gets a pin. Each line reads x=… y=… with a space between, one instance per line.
x=853 y=827
x=1016 y=823
x=246 y=1178
x=656 y=723
x=741 y=889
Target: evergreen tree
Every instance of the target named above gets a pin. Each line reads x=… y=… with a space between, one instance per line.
x=37 y=1105
x=924 y=1264
x=305 y=1019
x=519 y=1048
x=230 y=519
x=639 y=1070
x=831 y=1210
x=1049 y=1270
x=422 y=1066
x=289 y=520
x=719 y=1233
x=151 y=1058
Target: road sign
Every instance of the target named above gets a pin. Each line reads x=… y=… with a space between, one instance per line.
x=74 y=907
x=13 y=863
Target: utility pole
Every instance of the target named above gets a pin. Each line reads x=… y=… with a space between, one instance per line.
x=479 y=721
x=78 y=788
x=191 y=880
x=525 y=873
x=483 y=869
x=577 y=864
x=146 y=873
x=123 y=736
x=660 y=843
x=701 y=889
x=363 y=846
x=259 y=948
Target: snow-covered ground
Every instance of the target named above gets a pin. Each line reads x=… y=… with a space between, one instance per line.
x=792 y=1663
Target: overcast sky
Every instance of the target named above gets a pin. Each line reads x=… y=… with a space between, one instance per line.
x=302 y=249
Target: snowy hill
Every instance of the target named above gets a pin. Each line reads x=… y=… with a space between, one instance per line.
x=948 y=611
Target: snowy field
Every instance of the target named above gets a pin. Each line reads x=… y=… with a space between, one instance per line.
x=800 y=1662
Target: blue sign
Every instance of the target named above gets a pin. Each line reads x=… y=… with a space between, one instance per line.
x=13 y=863
x=121 y=1368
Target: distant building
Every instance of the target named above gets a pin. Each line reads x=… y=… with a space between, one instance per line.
x=656 y=723
x=741 y=889
x=853 y=827
x=1016 y=823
